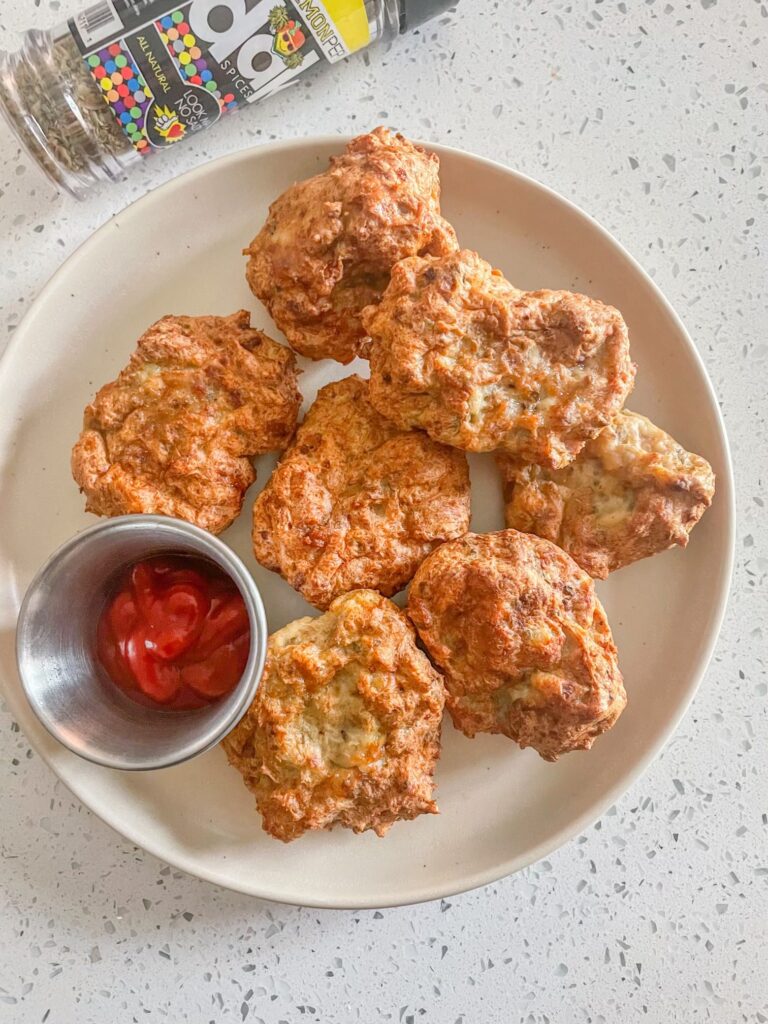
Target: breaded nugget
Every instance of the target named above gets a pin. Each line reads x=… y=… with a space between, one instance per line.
x=329 y=242
x=459 y=352
x=631 y=492
x=356 y=502
x=345 y=725
x=523 y=641
x=174 y=434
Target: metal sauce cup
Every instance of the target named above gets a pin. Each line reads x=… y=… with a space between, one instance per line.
x=67 y=687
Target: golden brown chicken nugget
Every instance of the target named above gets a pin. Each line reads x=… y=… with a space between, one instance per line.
x=330 y=242
x=461 y=353
x=522 y=639
x=175 y=433
x=345 y=725
x=356 y=502
x=631 y=492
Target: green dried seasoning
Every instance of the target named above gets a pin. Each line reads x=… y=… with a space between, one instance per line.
x=56 y=109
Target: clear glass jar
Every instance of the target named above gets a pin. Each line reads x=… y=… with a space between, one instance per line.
x=126 y=78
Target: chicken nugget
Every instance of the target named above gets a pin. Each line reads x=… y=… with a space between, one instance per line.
x=356 y=502
x=175 y=433
x=515 y=626
x=461 y=353
x=330 y=242
x=345 y=725
x=633 y=491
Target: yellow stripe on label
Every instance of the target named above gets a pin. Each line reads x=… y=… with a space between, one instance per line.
x=351 y=22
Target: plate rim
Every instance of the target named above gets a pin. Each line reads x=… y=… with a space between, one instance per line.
x=726 y=496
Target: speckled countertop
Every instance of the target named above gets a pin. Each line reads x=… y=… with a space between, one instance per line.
x=652 y=115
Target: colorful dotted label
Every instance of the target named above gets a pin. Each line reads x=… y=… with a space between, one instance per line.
x=164 y=84
x=189 y=58
x=124 y=89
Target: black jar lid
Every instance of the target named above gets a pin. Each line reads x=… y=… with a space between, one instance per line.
x=416 y=12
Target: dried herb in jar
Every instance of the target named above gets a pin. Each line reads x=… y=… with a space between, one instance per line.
x=126 y=78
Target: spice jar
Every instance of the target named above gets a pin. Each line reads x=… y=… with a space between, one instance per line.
x=126 y=78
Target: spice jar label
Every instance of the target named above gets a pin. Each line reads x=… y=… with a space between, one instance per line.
x=169 y=70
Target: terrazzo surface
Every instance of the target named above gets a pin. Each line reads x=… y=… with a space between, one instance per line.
x=652 y=116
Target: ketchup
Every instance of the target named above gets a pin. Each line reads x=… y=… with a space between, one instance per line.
x=175 y=633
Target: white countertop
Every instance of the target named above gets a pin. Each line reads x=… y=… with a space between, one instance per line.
x=652 y=116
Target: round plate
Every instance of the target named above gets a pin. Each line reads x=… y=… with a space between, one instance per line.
x=501 y=808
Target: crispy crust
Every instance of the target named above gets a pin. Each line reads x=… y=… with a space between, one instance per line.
x=329 y=242
x=461 y=353
x=356 y=502
x=345 y=726
x=523 y=641
x=631 y=492
x=174 y=434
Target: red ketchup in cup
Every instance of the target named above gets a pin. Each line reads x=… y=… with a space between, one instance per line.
x=175 y=633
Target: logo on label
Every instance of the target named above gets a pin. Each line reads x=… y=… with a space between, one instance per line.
x=289 y=37
x=259 y=45
x=167 y=124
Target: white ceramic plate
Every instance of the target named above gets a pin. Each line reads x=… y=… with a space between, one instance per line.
x=178 y=251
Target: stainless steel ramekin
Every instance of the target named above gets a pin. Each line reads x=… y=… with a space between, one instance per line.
x=56 y=648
